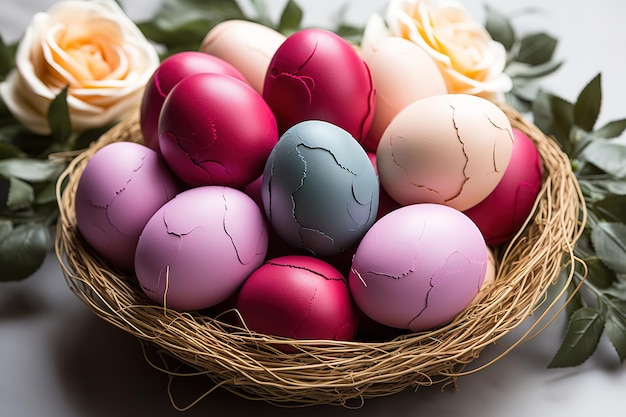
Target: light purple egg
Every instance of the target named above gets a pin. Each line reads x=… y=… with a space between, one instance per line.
x=197 y=250
x=418 y=267
x=122 y=186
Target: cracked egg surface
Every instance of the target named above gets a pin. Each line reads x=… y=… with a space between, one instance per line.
x=450 y=149
x=122 y=186
x=301 y=297
x=320 y=190
x=317 y=75
x=197 y=250
x=216 y=130
x=418 y=267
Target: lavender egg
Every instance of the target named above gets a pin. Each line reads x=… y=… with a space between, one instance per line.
x=418 y=267
x=319 y=190
x=122 y=186
x=197 y=250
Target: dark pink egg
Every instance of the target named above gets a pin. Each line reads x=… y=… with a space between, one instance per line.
x=171 y=71
x=216 y=130
x=299 y=297
x=316 y=74
x=503 y=212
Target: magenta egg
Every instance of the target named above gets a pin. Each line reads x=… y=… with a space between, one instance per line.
x=171 y=71
x=316 y=74
x=122 y=186
x=299 y=297
x=216 y=130
x=418 y=267
x=503 y=212
x=197 y=250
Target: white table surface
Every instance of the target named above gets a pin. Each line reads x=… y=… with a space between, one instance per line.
x=58 y=360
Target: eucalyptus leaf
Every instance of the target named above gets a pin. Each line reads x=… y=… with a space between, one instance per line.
x=582 y=336
x=30 y=169
x=20 y=195
x=536 y=49
x=615 y=328
x=609 y=241
x=499 y=27
x=6 y=59
x=291 y=18
x=611 y=208
x=59 y=117
x=609 y=156
x=524 y=70
x=23 y=251
x=587 y=107
x=612 y=129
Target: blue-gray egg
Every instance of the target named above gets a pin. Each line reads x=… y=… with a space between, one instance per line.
x=320 y=190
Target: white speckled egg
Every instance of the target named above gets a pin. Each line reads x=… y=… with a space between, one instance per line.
x=450 y=149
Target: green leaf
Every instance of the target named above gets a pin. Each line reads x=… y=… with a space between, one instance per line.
x=598 y=274
x=608 y=156
x=30 y=169
x=612 y=129
x=6 y=227
x=6 y=59
x=587 y=107
x=20 y=195
x=8 y=150
x=47 y=194
x=536 y=49
x=521 y=70
x=581 y=338
x=23 y=251
x=616 y=327
x=611 y=208
x=563 y=121
x=291 y=18
x=609 y=241
x=499 y=27
x=59 y=117
x=262 y=15
x=616 y=187
x=542 y=112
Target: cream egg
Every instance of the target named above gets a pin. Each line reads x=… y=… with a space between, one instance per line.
x=248 y=46
x=403 y=73
x=449 y=149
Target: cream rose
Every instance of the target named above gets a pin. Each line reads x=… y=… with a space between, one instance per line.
x=469 y=59
x=91 y=46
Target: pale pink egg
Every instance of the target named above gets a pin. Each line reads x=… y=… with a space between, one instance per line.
x=418 y=267
x=197 y=250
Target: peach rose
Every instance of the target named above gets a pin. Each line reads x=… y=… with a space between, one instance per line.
x=469 y=59
x=91 y=46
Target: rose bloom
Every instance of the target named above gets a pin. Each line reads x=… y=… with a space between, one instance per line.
x=469 y=59
x=91 y=46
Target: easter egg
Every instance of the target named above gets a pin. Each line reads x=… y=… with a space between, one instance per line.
x=121 y=187
x=319 y=190
x=171 y=71
x=418 y=267
x=514 y=196
x=216 y=130
x=450 y=149
x=246 y=45
x=316 y=74
x=197 y=250
x=299 y=297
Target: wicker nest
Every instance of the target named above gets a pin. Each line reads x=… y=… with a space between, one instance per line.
x=339 y=373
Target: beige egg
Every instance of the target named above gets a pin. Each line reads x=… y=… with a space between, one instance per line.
x=248 y=46
x=448 y=149
x=402 y=73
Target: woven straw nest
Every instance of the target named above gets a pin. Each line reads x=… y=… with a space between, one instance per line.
x=339 y=373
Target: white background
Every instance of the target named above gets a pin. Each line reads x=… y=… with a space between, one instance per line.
x=58 y=360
